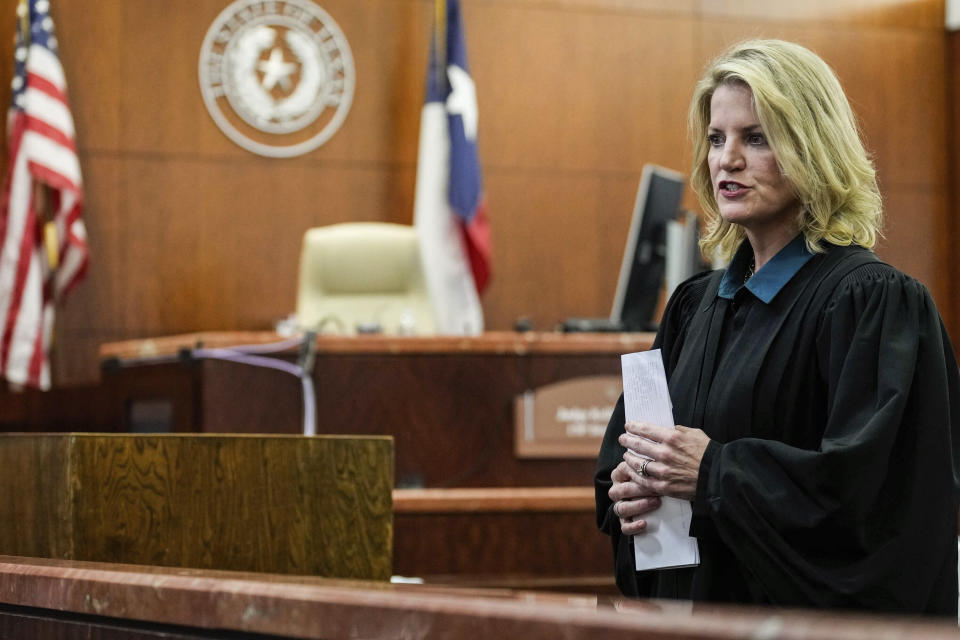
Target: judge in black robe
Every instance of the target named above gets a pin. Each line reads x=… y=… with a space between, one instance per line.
x=828 y=480
x=826 y=390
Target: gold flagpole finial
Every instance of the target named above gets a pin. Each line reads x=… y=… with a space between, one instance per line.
x=23 y=16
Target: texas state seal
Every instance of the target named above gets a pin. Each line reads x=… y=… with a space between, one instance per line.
x=276 y=76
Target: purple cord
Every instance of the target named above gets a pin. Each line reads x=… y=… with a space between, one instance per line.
x=245 y=354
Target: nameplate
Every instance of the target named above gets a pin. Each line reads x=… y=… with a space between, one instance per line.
x=565 y=419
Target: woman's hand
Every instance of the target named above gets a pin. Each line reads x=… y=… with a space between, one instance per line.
x=669 y=458
x=630 y=500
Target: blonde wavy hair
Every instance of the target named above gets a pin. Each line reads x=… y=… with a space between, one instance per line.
x=814 y=137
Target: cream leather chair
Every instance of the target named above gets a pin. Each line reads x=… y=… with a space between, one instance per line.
x=364 y=276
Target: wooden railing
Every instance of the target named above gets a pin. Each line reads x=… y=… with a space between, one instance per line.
x=47 y=598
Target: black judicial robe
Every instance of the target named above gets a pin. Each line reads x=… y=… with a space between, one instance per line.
x=831 y=479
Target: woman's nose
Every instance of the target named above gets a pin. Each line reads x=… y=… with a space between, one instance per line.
x=732 y=157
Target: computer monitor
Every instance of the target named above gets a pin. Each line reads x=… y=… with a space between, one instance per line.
x=644 y=258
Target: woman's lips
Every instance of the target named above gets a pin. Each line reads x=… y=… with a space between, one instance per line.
x=731 y=189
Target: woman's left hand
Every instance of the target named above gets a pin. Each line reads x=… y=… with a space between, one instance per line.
x=674 y=458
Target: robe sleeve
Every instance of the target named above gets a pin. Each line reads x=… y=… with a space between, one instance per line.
x=611 y=453
x=675 y=317
x=869 y=518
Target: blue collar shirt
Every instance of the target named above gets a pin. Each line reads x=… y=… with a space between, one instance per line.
x=771 y=278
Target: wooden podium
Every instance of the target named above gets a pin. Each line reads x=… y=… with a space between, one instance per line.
x=280 y=504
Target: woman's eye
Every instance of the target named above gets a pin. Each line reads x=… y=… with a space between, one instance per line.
x=715 y=140
x=757 y=139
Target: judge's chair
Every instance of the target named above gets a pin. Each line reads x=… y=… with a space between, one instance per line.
x=363 y=277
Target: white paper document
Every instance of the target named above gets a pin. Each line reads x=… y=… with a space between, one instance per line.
x=646 y=398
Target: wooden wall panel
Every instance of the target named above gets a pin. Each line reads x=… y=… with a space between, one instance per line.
x=686 y=8
x=92 y=42
x=912 y=14
x=217 y=244
x=951 y=231
x=98 y=303
x=535 y=211
x=915 y=240
x=162 y=110
x=190 y=232
x=596 y=91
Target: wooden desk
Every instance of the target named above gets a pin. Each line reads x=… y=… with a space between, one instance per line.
x=448 y=401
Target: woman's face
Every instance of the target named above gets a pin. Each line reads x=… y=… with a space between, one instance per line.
x=747 y=183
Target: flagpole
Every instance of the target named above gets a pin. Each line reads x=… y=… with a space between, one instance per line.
x=440 y=40
x=447 y=166
x=41 y=200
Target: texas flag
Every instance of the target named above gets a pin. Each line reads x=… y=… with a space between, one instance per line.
x=449 y=209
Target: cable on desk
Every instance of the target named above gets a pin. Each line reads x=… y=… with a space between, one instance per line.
x=238 y=354
x=249 y=354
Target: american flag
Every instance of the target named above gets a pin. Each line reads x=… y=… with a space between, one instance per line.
x=450 y=209
x=43 y=243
